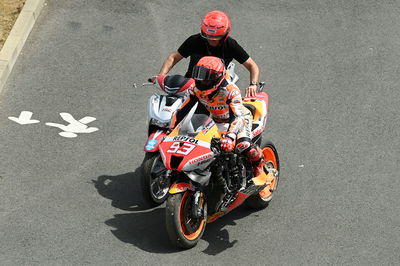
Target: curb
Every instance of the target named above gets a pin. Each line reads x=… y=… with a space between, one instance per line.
x=17 y=37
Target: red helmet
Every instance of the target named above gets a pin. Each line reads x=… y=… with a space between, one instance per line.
x=208 y=74
x=215 y=25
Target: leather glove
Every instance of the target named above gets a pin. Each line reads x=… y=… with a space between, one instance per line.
x=228 y=142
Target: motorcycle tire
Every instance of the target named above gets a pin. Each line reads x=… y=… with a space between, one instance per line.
x=262 y=199
x=184 y=231
x=152 y=197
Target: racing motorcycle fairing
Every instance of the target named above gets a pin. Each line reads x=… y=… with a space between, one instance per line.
x=160 y=110
x=180 y=187
x=258 y=106
x=154 y=140
x=162 y=107
x=240 y=198
x=187 y=148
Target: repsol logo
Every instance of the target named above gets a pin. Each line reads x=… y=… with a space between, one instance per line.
x=187 y=139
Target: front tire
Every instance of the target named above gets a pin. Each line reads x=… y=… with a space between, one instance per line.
x=155 y=183
x=183 y=230
x=262 y=199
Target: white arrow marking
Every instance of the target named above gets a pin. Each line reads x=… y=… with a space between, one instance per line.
x=68 y=134
x=87 y=120
x=24 y=118
x=75 y=126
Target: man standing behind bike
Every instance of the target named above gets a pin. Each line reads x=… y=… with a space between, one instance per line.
x=214 y=40
x=221 y=98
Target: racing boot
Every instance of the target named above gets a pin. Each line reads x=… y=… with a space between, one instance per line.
x=256 y=158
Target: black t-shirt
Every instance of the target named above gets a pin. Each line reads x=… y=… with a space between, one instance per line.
x=196 y=47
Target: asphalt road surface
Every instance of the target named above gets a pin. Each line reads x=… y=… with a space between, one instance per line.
x=332 y=71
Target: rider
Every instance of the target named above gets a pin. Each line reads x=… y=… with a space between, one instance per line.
x=214 y=40
x=223 y=101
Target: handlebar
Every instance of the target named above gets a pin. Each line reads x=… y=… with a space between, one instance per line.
x=261 y=88
x=149 y=82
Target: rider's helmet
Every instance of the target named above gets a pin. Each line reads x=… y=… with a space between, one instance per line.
x=215 y=25
x=208 y=74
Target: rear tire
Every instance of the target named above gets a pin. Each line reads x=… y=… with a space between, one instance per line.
x=262 y=199
x=183 y=230
x=152 y=192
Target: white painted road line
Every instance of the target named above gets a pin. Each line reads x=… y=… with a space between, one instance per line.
x=24 y=118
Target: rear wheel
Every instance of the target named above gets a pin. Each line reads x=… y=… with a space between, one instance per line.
x=154 y=178
x=262 y=199
x=183 y=229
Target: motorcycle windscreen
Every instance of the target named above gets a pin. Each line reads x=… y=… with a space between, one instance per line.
x=192 y=124
x=198 y=125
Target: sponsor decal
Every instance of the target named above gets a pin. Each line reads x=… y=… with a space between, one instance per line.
x=216 y=107
x=203 y=162
x=208 y=126
x=258 y=131
x=187 y=139
x=166 y=110
x=211 y=31
x=151 y=144
x=201 y=158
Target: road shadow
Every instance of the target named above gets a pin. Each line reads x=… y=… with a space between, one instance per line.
x=217 y=235
x=144 y=227
x=124 y=190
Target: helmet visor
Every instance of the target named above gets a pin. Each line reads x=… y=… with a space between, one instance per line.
x=212 y=37
x=204 y=73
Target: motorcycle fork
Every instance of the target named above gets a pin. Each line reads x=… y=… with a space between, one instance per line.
x=198 y=204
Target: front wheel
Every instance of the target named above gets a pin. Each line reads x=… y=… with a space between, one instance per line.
x=262 y=199
x=183 y=229
x=154 y=179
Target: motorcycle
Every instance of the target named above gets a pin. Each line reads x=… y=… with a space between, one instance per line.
x=154 y=176
x=206 y=182
x=155 y=183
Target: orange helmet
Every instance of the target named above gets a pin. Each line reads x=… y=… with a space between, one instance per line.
x=215 y=25
x=208 y=74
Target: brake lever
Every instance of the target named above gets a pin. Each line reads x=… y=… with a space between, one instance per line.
x=261 y=88
x=148 y=84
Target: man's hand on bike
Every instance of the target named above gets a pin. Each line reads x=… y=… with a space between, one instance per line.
x=251 y=91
